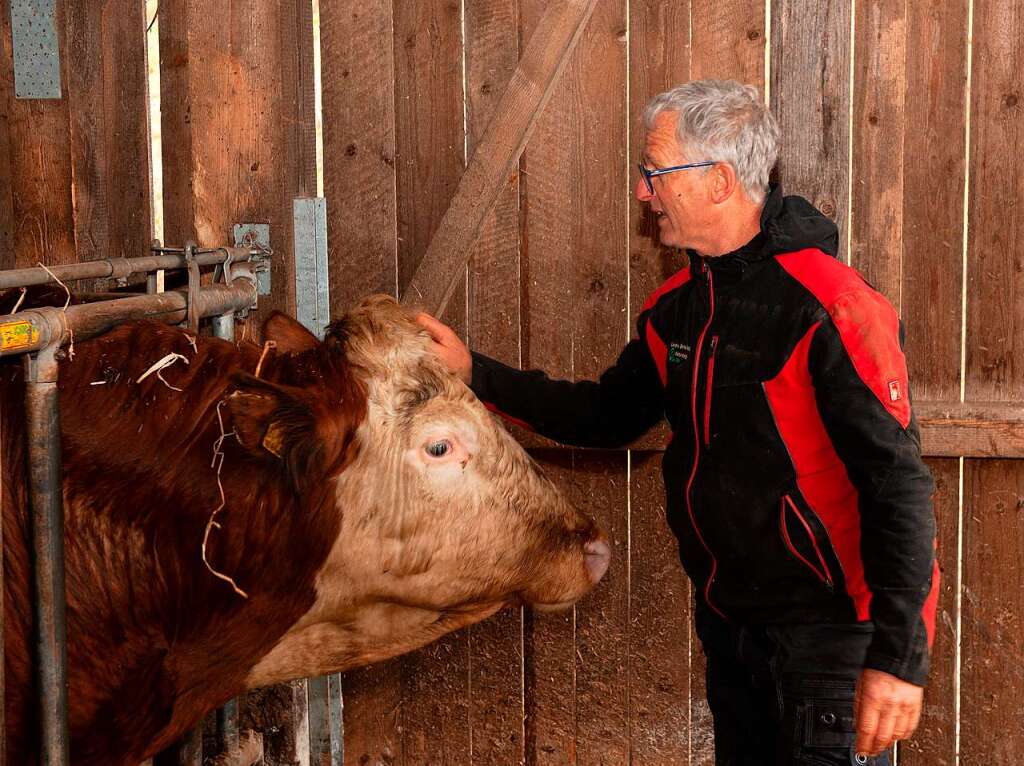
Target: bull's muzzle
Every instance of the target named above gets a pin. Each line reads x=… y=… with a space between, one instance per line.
x=598 y=556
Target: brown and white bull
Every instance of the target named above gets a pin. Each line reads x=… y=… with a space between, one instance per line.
x=370 y=505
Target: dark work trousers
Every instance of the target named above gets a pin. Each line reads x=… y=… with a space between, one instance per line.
x=782 y=695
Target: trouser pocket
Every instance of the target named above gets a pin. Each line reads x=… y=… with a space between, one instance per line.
x=823 y=726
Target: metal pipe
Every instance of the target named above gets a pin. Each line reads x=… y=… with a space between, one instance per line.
x=47 y=514
x=119 y=268
x=34 y=329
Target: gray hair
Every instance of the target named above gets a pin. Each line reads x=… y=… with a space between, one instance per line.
x=724 y=121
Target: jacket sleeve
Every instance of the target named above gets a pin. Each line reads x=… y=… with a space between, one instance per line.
x=624 y=403
x=860 y=377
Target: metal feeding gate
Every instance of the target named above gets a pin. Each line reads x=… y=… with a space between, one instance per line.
x=39 y=334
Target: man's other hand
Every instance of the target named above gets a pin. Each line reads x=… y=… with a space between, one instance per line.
x=886 y=709
x=447 y=345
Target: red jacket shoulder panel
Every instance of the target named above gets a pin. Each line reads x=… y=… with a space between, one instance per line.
x=867 y=324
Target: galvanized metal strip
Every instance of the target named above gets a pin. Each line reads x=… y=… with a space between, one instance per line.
x=36 y=49
x=312 y=294
x=319 y=719
x=336 y=705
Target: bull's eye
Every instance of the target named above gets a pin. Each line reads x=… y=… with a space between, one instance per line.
x=440 y=448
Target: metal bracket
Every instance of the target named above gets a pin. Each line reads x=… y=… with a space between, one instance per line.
x=257 y=237
x=312 y=296
x=35 y=48
x=192 y=314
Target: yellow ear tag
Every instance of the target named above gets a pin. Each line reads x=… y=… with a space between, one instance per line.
x=273 y=440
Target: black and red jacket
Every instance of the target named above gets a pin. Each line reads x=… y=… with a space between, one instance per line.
x=794 y=476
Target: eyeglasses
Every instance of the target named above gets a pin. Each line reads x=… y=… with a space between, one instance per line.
x=649 y=174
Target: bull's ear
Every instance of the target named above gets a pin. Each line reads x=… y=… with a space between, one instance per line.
x=289 y=425
x=290 y=336
x=277 y=423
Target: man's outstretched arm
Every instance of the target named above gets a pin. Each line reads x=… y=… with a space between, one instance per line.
x=625 y=402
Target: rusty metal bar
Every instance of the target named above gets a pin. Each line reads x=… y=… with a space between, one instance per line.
x=47 y=514
x=34 y=329
x=121 y=268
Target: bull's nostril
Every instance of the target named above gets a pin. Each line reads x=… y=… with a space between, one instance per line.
x=598 y=556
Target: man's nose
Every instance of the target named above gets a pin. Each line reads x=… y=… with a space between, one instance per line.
x=642 y=192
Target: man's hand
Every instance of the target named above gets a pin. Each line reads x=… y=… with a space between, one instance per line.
x=447 y=345
x=885 y=709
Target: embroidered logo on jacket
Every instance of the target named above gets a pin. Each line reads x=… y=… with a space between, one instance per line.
x=678 y=352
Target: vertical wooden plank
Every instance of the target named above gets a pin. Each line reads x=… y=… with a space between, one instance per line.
x=430 y=144
x=358 y=101
x=39 y=224
x=659 y=52
x=995 y=313
x=430 y=135
x=549 y=660
x=994 y=489
x=358 y=72
x=934 y=744
x=107 y=99
x=577 y=323
x=728 y=40
x=659 y=622
x=992 y=666
x=601 y=307
x=496 y=661
x=238 y=123
x=879 y=127
x=933 y=188
x=813 y=109
x=6 y=152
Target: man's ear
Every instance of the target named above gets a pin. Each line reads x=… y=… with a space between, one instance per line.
x=290 y=336
x=723 y=182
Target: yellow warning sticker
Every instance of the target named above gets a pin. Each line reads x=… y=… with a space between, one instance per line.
x=15 y=335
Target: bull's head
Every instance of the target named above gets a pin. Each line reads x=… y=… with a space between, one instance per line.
x=444 y=517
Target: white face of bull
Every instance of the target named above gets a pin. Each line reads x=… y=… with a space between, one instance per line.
x=445 y=518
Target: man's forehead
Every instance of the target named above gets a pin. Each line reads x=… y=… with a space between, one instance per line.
x=660 y=141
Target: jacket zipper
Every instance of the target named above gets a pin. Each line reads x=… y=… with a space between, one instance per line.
x=707 y=391
x=823 y=574
x=696 y=446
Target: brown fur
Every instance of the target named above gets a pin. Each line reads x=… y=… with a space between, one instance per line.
x=145 y=617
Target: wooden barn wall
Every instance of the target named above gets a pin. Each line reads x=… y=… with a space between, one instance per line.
x=901 y=120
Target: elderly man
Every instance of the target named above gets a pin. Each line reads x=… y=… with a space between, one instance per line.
x=794 y=477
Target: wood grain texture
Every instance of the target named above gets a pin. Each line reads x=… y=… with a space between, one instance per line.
x=532 y=83
x=549 y=641
x=237 y=121
x=358 y=101
x=107 y=101
x=659 y=53
x=933 y=195
x=934 y=744
x=879 y=127
x=659 y=625
x=492 y=53
x=496 y=645
x=810 y=96
x=36 y=214
x=430 y=152
x=728 y=40
x=992 y=664
x=995 y=313
x=358 y=73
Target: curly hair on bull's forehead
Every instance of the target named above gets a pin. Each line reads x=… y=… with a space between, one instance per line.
x=382 y=336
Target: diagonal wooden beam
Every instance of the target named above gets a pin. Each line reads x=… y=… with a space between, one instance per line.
x=498 y=153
